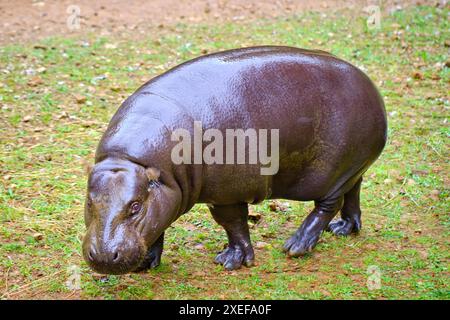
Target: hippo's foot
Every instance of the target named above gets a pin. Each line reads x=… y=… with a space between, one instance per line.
x=350 y=221
x=233 y=258
x=152 y=260
x=343 y=227
x=298 y=245
x=234 y=220
x=153 y=257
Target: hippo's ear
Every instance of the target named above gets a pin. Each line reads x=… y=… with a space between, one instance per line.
x=152 y=174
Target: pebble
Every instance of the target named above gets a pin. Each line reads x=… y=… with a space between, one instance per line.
x=261 y=245
x=38 y=236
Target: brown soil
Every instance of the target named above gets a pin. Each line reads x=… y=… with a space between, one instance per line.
x=27 y=20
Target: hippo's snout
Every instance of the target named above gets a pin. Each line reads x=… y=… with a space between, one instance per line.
x=113 y=258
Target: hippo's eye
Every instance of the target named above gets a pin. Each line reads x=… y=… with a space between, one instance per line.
x=153 y=184
x=135 y=207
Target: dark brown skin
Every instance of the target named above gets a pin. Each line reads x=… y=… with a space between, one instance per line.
x=332 y=126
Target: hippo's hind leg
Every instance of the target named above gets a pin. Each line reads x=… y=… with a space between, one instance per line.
x=350 y=213
x=153 y=257
x=233 y=218
x=307 y=236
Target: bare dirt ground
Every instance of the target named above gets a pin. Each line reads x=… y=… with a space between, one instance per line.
x=27 y=20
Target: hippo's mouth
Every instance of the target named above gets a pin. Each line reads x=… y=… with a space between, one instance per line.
x=116 y=268
x=115 y=262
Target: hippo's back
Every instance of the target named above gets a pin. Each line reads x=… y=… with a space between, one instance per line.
x=270 y=87
x=236 y=86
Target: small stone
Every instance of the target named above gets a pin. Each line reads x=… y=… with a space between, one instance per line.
x=417 y=75
x=435 y=77
x=27 y=118
x=283 y=206
x=199 y=246
x=88 y=124
x=40 y=274
x=80 y=99
x=254 y=216
x=273 y=206
x=63 y=114
x=279 y=206
x=261 y=245
x=99 y=277
x=110 y=46
x=35 y=81
x=38 y=236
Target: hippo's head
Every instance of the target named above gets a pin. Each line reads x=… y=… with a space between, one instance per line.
x=127 y=208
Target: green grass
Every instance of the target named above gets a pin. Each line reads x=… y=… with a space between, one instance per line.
x=46 y=136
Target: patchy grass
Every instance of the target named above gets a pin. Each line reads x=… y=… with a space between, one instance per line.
x=57 y=96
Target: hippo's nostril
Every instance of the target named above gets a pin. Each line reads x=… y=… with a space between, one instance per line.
x=116 y=256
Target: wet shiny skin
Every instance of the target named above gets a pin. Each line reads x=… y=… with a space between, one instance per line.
x=332 y=126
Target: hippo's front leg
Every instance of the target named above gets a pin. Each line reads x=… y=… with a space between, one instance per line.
x=233 y=218
x=153 y=257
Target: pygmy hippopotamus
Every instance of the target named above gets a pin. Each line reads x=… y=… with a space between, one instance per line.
x=327 y=123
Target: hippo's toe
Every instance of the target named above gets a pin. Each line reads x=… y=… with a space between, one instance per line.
x=297 y=245
x=342 y=227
